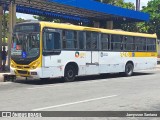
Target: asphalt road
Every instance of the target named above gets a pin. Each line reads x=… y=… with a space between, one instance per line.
x=114 y=92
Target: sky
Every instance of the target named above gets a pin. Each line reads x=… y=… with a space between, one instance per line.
x=30 y=17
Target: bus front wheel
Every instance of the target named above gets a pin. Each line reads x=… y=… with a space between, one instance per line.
x=69 y=75
x=129 y=69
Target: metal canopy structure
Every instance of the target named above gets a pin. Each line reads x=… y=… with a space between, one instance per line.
x=79 y=10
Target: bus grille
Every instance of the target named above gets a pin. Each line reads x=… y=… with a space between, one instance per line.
x=21 y=67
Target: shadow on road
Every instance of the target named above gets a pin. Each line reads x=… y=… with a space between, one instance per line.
x=78 y=79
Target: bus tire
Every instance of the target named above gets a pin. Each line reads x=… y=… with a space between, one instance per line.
x=129 y=69
x=69 y=75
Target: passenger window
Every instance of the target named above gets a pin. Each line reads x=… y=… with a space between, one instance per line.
x=129 y=43
x=88 y=40
x=140 y=43
x=95 y=38
x=81 y=39
x=69 y=39
x=104 y=41
x=116 y=42
x=92 y=40
x=51 y=41
x=151 y=44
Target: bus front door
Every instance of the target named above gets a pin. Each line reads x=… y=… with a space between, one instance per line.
x=92 y=53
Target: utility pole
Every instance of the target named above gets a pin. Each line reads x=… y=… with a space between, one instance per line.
x=4 y=24
x=138 y=5
x=12 y=22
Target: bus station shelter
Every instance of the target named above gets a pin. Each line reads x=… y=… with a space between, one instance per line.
x=82 y=11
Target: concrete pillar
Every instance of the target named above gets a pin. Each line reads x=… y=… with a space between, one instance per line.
x=12 y=22
x=4 y=32
x=109 y=25
x=14 y=15
x=96 y=24
x=1 y=14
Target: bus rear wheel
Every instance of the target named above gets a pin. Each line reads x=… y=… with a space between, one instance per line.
x=129 y=69
x=69 y=75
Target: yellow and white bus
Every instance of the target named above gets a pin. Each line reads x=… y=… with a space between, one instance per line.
x=49 y=50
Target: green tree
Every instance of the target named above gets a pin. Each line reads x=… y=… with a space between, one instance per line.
x=107 y=1
x=42 y=18
x=5 y=23
x=50 y=19
x=119 y=3
x=153 y=25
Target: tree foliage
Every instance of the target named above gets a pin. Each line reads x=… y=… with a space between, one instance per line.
x=153 y=25
x=119 y=3
x=5 y=23
x=42 y=18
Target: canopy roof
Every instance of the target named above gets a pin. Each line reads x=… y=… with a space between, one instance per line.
x=79 y=10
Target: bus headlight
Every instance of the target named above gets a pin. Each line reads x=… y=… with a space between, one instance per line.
x=35 y=65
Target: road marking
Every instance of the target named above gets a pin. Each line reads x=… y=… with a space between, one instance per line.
x=73 y=103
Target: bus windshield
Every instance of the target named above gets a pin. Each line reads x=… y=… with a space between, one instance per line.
x=25 y=45
x=25 y=42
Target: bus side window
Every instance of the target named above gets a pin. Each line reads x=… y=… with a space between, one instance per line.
x=57 y=41
x=81 y=40
x=104 y=41
x=51 y=40
x=94 y=42
x=151 y=44
x=140 y=43
x=116 y=42
x=69 y=38
x=88 y=40
x=123 y=42
x=129 y=43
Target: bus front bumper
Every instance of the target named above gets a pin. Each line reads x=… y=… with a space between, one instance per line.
x=35 y=74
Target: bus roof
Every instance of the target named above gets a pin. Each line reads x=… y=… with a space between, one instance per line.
x=80 y=28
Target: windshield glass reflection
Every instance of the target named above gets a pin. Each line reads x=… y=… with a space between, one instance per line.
x=25 y=45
